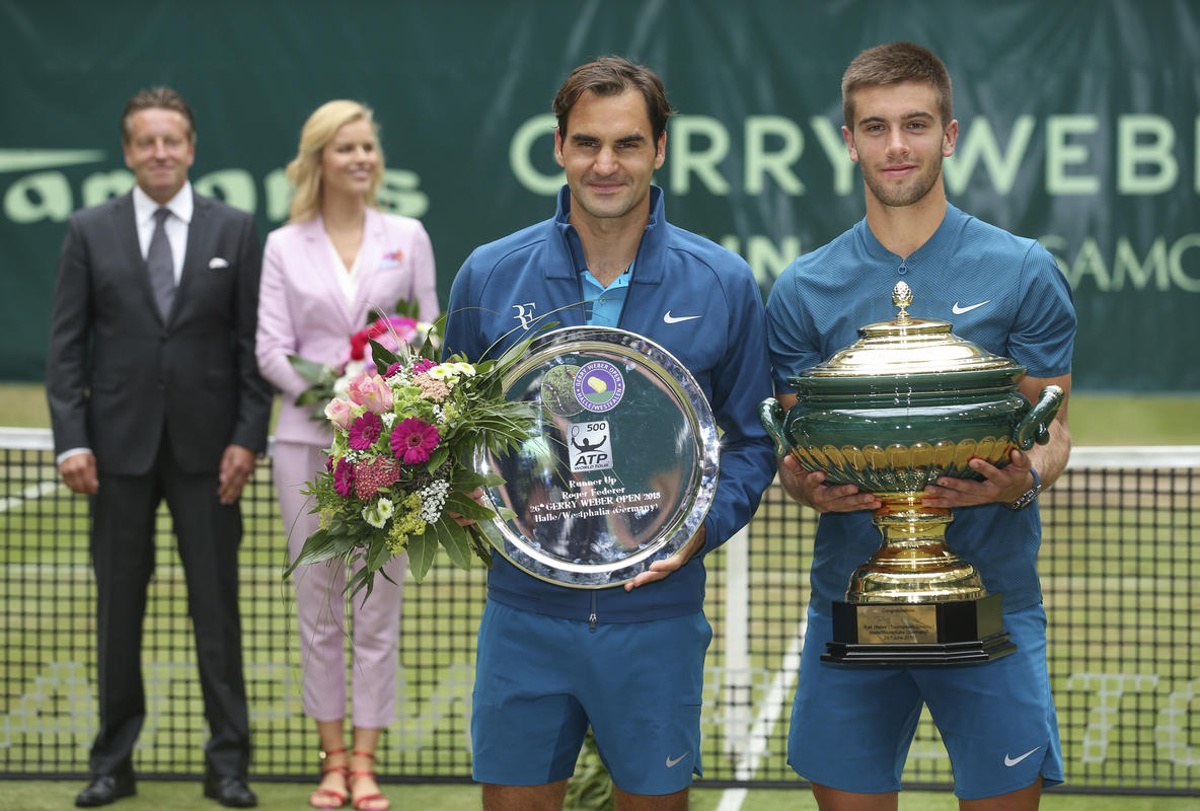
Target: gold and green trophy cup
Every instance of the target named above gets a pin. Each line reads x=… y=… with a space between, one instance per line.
x=906 y=404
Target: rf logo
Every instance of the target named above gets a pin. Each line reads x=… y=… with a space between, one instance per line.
x=525 y=314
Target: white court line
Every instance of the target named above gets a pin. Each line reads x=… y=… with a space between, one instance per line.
x=782 y=685
x=732 y=799
x=31 y=493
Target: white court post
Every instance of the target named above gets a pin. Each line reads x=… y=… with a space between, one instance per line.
x=735 y=695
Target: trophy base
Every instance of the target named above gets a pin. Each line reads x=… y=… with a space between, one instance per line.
x=906 y=634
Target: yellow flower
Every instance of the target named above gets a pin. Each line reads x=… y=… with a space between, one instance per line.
x=397 y=541
x=407 y=522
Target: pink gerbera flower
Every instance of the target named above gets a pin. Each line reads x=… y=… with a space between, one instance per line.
x=365 y=430
x=423 y=365
x=343 y=478
x=414 y=440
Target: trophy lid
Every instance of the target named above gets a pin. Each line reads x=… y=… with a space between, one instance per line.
x=908 y=346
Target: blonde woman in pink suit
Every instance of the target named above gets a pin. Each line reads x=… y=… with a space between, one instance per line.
x=337 y=259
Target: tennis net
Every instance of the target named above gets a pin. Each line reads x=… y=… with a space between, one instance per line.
x=1120 y=566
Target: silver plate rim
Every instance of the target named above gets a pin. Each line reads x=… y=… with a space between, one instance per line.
x=515 y=548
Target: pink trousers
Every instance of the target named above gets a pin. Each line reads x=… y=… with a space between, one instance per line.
x=321 y=611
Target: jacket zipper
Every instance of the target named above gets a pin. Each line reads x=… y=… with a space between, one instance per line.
x=592 y=618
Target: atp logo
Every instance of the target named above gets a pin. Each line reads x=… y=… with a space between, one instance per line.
x=591 y=448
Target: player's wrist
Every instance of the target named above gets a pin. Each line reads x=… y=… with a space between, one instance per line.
x=1029 y=496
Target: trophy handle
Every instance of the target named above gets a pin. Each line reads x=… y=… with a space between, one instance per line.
x=1035 y=425
x=771 y=413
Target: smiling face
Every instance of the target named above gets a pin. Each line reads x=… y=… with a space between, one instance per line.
x=350 y=161
x=159 y=149
x=899 y=141
x=609 y=154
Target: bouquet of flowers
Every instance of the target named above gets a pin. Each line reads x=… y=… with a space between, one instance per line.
x=400 y=469
x=390 y=331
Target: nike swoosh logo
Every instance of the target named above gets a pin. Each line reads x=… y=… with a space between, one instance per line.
x=959 y=310
x=1013 y=761
x=676 y=319
x=673 y=762
x=27 y=160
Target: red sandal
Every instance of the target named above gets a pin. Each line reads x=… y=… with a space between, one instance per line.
x=326 y=798
x=363 y=803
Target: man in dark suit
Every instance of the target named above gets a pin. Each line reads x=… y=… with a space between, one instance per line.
x=154 y=393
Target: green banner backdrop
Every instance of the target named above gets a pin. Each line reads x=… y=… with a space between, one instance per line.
x=1079 y=125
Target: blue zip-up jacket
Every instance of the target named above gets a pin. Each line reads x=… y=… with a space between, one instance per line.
x=531 y=278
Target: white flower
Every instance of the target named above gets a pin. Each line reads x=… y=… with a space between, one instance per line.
x=372 y=517
x=441 y=372
x=388 y=418
x=464 y=369
x=433 y=499
x=386 y=508
x=377 y=514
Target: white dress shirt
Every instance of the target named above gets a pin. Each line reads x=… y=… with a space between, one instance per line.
x=348 y=277
x=176 y=225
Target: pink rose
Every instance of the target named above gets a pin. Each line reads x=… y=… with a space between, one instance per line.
x=370 y=390
x=340 y=413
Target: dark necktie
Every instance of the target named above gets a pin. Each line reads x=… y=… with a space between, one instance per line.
x=161 y=265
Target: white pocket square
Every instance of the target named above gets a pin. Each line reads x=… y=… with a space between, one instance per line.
x=217 y=262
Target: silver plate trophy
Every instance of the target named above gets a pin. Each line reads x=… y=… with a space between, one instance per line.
x=620 y=468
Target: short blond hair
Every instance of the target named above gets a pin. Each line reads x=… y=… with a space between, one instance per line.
x=319 y=130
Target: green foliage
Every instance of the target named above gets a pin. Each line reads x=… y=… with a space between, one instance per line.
x=591 y=787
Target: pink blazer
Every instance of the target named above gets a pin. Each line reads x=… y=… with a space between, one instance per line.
x=302 y=310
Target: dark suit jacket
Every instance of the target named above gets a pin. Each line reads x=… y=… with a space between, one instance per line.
x=117 y=374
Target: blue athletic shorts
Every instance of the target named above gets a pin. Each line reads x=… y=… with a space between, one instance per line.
x=852 y=726
x=540 y=680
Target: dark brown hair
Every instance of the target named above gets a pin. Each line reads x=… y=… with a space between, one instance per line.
x=611 y=76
